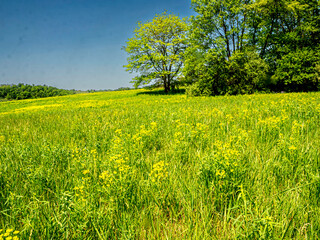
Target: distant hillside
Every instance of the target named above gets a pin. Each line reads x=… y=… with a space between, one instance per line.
x=25 y=91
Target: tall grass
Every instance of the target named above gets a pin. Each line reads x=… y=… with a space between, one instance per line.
x=127 y=165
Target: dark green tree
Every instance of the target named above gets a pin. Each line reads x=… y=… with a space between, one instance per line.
x=288 y=39
x=241 y=46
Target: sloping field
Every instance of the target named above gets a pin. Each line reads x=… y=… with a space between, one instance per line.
x=135 y=165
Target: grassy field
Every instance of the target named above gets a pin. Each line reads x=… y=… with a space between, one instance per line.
x=137 y=165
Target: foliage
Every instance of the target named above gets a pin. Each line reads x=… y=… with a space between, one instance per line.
x=299 y=70
x=288 y=38
x=293 y=24
x=220 y=25
x=266 y=44
x=25 y=91
x=244 y=72
x=127 y=165
x=156 y=50
x=247 y=73
x=206 y=71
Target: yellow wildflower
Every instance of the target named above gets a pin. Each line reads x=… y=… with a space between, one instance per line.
x=292 y=148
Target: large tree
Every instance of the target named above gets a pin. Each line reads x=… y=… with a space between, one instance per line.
x=288 y=39
x=220 y=24
x=156 y=50
x=276 y=42
x=221 y=57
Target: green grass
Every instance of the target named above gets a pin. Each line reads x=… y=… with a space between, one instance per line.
x=127 y=165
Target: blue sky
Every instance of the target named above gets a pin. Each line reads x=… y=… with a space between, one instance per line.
x=73 y=44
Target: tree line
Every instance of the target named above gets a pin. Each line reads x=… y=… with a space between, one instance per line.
x=231 y=47
x=25 y=91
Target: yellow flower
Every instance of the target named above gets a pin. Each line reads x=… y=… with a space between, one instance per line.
x=292 y=148
x=119 y=131
x=85 y=171
x=16 y=232
x=153 y=125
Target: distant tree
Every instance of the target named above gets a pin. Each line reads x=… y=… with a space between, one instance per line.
x=156 y=50
x=25 y=91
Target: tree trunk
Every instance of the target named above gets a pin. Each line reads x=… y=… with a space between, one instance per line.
x=165 y=84
x=169 y=83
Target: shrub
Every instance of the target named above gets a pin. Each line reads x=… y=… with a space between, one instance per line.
x=247 y=73
x=298 y=70
x=212 y=74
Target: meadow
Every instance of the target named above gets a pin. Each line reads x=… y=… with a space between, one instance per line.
x=137 y=165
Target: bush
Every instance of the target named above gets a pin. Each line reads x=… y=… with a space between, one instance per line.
x=212 y=74
x=298 y=71
x=206 y=72
x=247 y=73
x=193 y=90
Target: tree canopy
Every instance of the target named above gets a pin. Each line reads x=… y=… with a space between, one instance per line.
x=156 y=51
x=242 y=46
x=231 y=47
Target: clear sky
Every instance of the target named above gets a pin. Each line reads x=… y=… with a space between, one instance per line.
x=73 y=44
